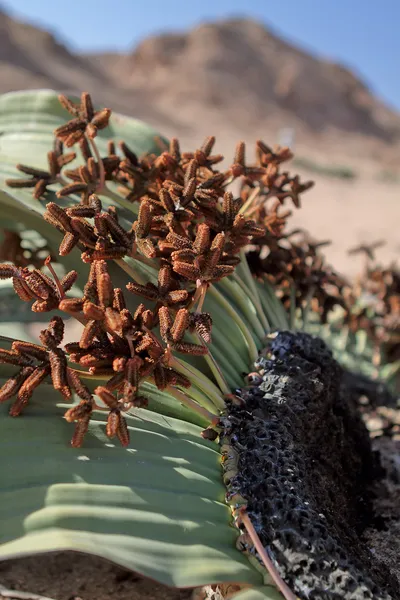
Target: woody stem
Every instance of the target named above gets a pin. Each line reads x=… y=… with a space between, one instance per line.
x=269 y=565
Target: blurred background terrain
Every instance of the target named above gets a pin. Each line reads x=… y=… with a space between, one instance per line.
x=236 y=78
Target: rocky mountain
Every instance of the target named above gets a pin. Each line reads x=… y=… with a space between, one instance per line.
x=33 y=58
x=234 y=78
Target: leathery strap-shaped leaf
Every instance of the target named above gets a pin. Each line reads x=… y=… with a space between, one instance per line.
x=156 y=508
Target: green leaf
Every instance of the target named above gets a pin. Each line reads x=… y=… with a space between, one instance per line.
x=156 y=507
x=267 y=592
x=165 y=404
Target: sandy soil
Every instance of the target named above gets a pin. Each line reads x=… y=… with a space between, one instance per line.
x=351 y=213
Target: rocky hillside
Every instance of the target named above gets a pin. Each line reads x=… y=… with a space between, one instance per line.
x=33 y=58
x=234 y=78
x=244 y=70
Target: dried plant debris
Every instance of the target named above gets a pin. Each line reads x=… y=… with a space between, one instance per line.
x=375 y=307
x=226 y=591
x=298 y=454
x=292 y=263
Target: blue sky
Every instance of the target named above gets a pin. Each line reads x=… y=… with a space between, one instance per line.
x=362 y=34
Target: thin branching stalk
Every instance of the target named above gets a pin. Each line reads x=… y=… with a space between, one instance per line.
x=102 y=177
x=250 y=200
